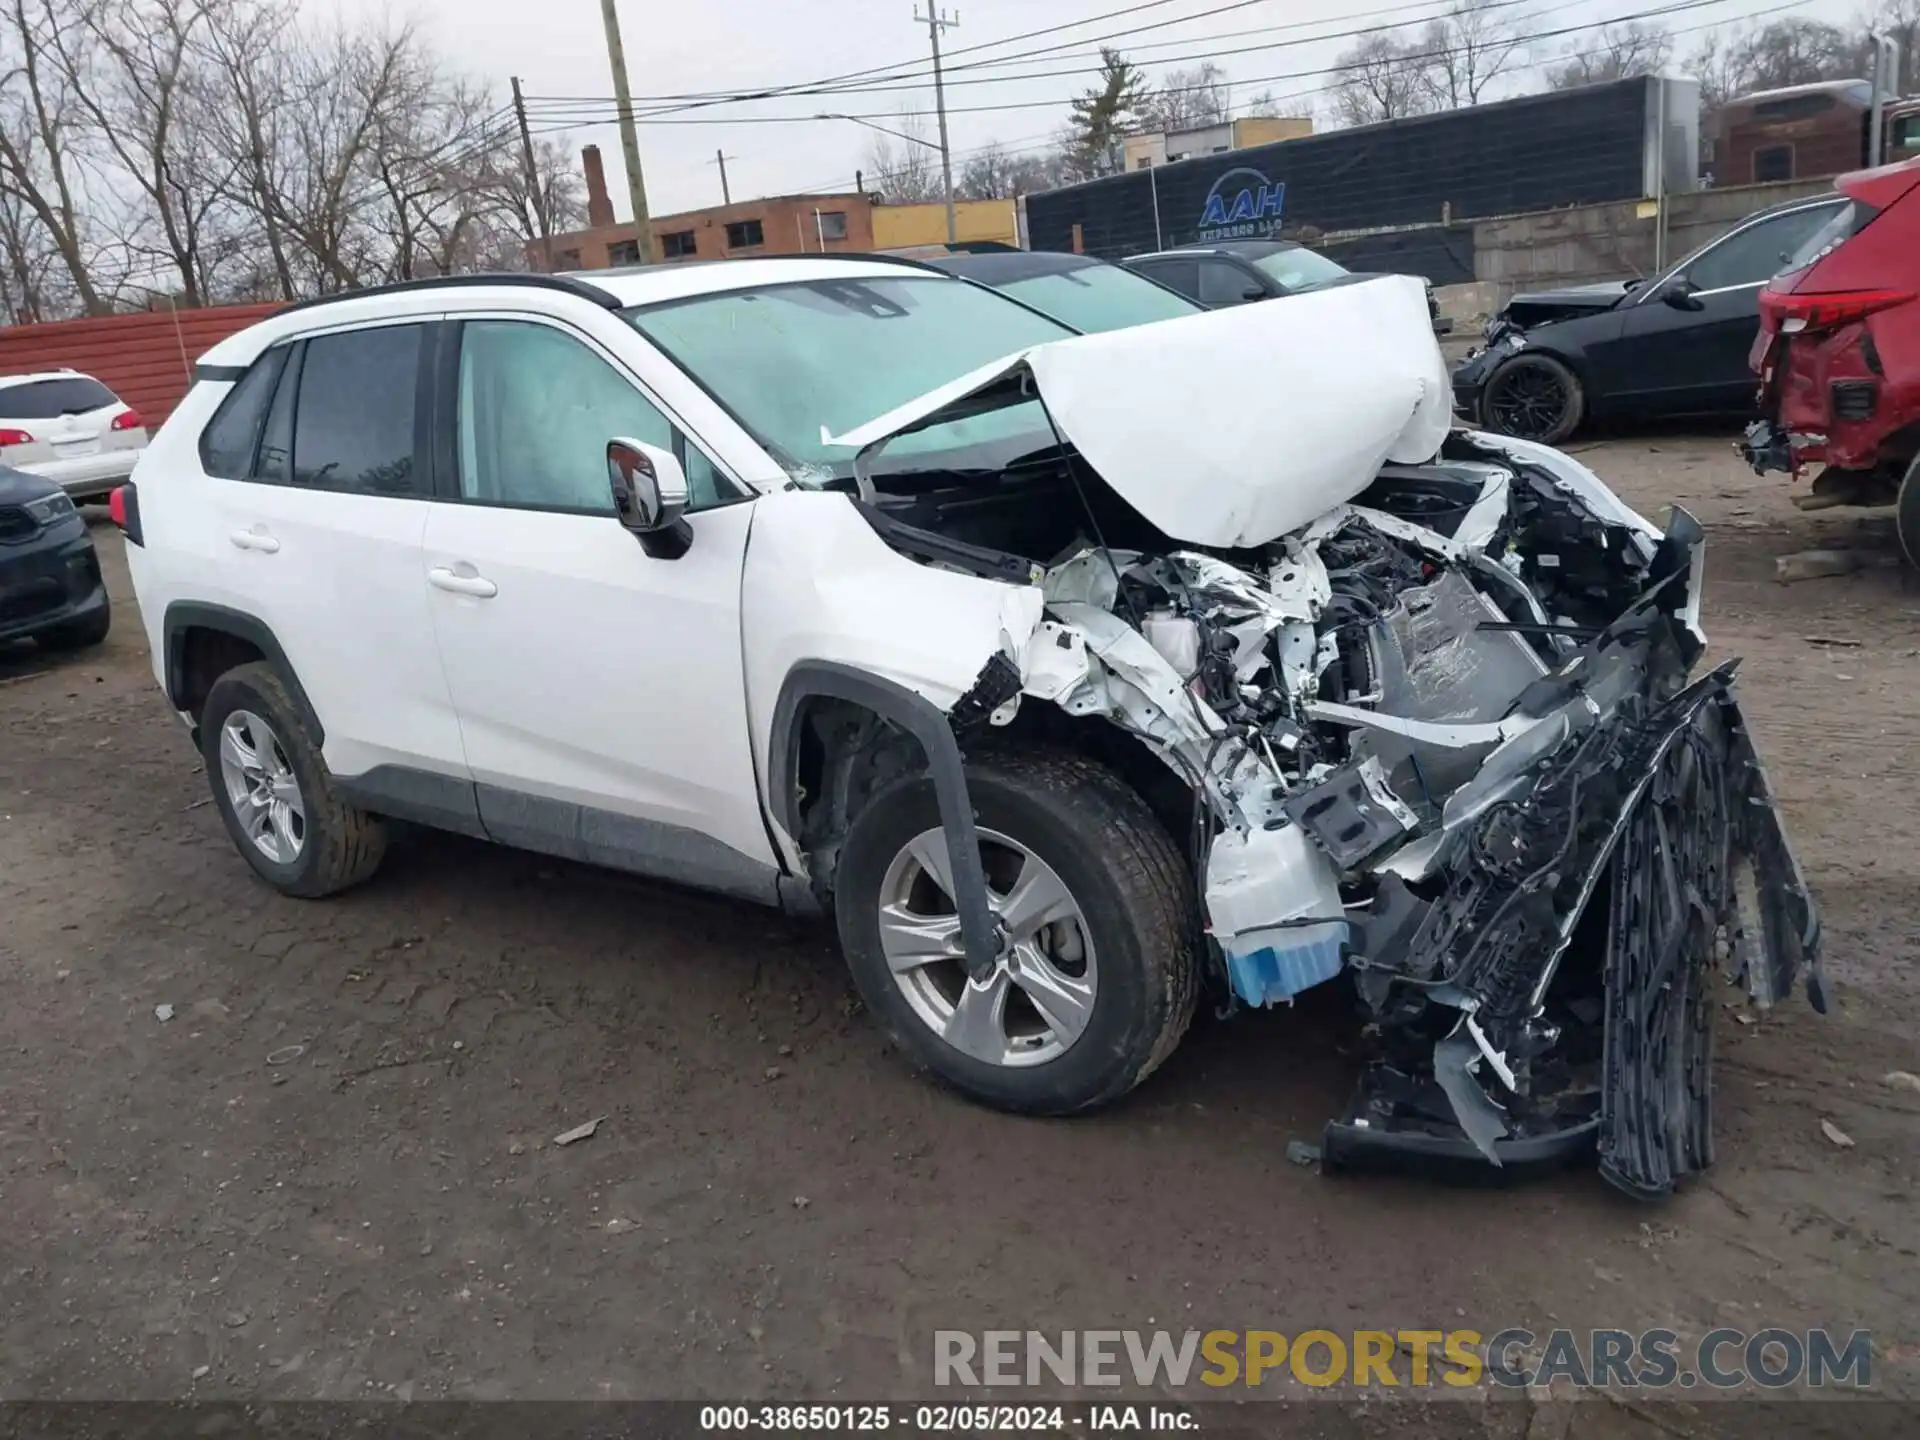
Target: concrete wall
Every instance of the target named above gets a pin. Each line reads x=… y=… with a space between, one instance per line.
x=903 y=227
x=1589 y=243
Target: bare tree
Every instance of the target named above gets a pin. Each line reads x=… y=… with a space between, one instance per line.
x=1618 y=52
x=905 y=171
x=1381 y=78
x=1189 y=99
x=1265 y=104
x=1469 y=48
x=40 y=132
x=995 y=173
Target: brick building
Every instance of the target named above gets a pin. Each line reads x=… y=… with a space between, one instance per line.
x=780 y=225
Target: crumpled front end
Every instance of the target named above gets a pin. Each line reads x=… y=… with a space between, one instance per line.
x=1444 y=740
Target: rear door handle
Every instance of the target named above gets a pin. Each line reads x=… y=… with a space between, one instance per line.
x=462 y=584
x=254 y=540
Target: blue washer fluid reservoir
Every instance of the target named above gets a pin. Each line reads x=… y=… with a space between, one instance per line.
x=1273 y=901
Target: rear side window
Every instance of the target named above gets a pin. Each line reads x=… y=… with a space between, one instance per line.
x=1849 y=220
x=228 y=444
x=353 y=420
x=50 y=399
x=1181 y=275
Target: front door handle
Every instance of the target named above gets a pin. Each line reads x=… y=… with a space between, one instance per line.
x=468 y=583
x=255 y=540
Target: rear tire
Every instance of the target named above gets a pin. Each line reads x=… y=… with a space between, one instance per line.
x=78 y=634
x=274 y=793
x=1088 y=1004
x=1907 y=513
x=1533 y=397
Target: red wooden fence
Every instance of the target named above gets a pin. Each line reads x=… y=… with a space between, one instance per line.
x=146 y=359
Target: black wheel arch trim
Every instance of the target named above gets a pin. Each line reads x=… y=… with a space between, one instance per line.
x=185 y=615
x=913 y=713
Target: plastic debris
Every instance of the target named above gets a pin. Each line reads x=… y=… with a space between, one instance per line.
x=1834 y=1133
x=579 y=1132
x=1301 y=1153
x=163 y=1012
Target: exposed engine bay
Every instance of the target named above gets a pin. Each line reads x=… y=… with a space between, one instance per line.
x=1442 y=741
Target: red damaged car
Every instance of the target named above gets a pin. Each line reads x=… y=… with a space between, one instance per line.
x=1838 y=353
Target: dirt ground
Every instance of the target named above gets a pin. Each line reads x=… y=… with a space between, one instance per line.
x=331 y=1173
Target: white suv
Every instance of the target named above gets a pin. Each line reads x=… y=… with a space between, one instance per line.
x=1095 y=674
x=69 y=428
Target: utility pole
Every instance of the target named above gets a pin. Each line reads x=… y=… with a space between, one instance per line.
x=535 y=197
x=720 y=158
x=936 y=22
x=629 y=137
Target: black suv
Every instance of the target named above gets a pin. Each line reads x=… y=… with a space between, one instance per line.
x=50 y=586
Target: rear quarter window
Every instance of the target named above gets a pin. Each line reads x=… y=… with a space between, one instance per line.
x=50 y=399
x=231 y=440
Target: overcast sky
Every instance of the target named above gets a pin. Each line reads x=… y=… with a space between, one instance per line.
x=675 y=47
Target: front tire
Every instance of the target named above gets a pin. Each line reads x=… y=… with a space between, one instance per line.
x=273 y=791
x=1097 y=978
x=1533 y=397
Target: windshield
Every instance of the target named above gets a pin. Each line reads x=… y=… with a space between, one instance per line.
x=1099 y=297
x=1299 y=268
x=801 y=361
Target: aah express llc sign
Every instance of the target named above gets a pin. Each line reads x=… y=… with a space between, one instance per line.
x=1242 y=205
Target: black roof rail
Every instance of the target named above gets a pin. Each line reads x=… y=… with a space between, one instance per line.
x=564 y=283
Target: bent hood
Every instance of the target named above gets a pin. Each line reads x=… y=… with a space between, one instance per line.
x=1233 y=427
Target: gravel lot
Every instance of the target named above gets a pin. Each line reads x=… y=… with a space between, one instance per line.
x=331 y=1173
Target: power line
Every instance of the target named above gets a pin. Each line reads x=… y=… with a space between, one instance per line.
x=1677 y=8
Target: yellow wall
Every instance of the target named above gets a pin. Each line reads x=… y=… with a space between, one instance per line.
x=895 y=227
x=1265 y=129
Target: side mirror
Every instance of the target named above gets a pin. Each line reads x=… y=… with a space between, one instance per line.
x=1253 y=292
x=1678 y=292
x=649 y=495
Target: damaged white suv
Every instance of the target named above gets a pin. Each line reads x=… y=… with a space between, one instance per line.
x=1097 y=674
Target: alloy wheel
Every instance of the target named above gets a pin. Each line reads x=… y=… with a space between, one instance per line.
x=261 y=787
x=1039 y=998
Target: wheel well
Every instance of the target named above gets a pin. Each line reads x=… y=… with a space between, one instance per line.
x=844 y=753
x=202 y=655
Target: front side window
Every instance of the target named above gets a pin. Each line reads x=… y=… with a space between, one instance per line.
x=1099 y=297
x=1752 y=255
x=799 y=362
x=353 y=422
x=1225 y=284
x=536 y=410
x=1298 y=268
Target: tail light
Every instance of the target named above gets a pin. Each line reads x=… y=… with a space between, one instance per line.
x=1791 y=314
x=14 y=437
x=124 y=506
x=127 y=420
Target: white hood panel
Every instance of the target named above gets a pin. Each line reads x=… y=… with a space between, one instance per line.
x=1235 y=427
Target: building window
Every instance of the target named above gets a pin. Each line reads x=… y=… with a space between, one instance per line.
x=623 y=252
x=1145 y=162
x=744 y=234
x=569 y=259
x=677 y=244
x=1772 y=164
x=833 y=224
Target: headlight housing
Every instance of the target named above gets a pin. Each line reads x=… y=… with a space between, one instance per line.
x=50 y=510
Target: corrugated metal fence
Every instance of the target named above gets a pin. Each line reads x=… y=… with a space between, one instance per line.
x=146 y=359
